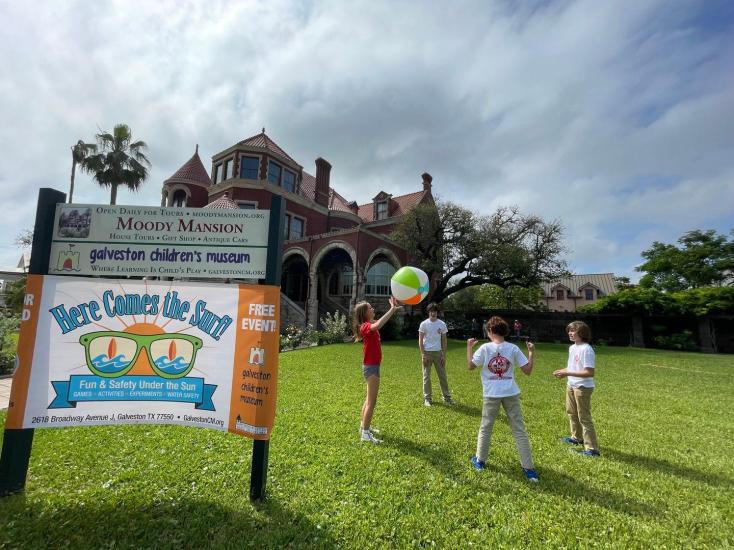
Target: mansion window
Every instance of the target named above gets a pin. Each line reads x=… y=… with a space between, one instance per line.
x=341 y=281
x=378 y=279
x=274 y=173
x=217 y=172
x=179 y=198
x=293 y=228
x=382 y=210
x=559 y=294
x=589 y=293
x=227 y=169
x=289 y=181
x=247 y=205
x=249 y=168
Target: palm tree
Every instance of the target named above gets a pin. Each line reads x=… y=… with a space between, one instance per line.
x=121 y=161
x=79 y=152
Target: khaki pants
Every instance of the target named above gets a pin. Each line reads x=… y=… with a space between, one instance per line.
x=434 y=358
x=514 y=415
x=578 y=407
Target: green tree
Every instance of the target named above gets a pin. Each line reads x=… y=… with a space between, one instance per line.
x=636 y=301
x=459 y=249
x=79 y=153
x=703 y=258
x=121 y=161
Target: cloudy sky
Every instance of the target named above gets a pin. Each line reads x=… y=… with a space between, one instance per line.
x=615 y=117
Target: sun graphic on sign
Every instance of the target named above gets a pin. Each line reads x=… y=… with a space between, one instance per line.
x=142 y=348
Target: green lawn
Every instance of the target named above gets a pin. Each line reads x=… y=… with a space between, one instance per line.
x=665 y=478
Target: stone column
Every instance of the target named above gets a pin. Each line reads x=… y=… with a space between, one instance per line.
x=312 y=306
x=638 y=335
x=164 y=197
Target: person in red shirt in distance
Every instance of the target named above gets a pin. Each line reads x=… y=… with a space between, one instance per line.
x=367 y=330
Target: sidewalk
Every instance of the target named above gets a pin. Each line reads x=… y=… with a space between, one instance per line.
x=5 y=384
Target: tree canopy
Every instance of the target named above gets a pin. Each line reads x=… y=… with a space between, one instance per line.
x=458 y=248
x=120 y=161
x=703 y=258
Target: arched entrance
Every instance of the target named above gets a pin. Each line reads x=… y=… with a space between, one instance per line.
x=332 y=280
x=294 y=281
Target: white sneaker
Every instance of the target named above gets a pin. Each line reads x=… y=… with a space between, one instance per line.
x=428 y=403
x=367 y=436
x=373 y=431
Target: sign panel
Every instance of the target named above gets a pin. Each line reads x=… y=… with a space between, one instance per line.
x=202 y=243
x=105 y=351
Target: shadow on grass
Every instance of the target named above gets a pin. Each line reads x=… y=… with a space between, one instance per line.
x=186 y=523
x=467 y=410
x=568 y=487
x=662 y=466
x=436 y=456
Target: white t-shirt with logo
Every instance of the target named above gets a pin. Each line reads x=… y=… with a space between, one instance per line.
x=432 y=331
x=580 y=356
x=497 y=362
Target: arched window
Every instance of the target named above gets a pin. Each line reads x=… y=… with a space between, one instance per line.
x=378 y=279
x=179 y=198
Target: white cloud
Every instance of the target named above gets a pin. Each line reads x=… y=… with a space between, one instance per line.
x=614 y=117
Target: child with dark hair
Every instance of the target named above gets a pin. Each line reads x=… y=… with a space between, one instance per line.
x=497 y=360
x=433 y=345
x=367 y=330
x=580 y=375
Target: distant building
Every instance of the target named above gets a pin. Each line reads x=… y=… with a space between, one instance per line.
x=576 y=291
x=336 y=251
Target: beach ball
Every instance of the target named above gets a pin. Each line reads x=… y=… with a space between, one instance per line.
x=409 y=285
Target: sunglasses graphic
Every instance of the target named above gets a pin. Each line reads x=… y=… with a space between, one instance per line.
x=111 y=354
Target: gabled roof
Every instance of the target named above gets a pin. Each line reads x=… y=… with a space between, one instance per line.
x=602 y=281
x=192 y=171
x=263 y=141
x=400 y=205
x=223 y=202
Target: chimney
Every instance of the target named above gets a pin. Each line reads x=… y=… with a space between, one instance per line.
x=323 y=171
x=427 y=179
x=354 y=207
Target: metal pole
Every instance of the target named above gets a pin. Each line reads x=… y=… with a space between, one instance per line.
x=17 y=443
x=260 y=448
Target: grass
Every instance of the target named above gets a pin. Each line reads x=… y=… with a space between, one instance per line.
x=665 y=478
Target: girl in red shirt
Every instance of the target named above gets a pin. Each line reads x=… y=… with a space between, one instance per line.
x=368 y=330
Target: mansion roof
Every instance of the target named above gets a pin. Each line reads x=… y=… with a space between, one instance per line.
x=192 y=171
x=574 y=283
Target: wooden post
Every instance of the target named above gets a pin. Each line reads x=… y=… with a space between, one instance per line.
x=260 y=448
x=17 y=443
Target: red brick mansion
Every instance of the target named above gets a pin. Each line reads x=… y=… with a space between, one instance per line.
x=336 y=251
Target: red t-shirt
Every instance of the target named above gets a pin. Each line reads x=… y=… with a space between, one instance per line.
x=371 y=345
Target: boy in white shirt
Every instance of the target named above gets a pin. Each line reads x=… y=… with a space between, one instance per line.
x=433 y=344
x=497 y=361
x=580 y=375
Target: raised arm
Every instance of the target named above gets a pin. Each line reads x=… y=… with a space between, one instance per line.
x=527 y=368
x=470 y=343
x=394 y=306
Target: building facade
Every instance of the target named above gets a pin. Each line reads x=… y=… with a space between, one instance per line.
x=576 y=291
x=336 y=251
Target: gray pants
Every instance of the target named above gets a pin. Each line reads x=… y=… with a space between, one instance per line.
x=514 y=415
x=434 y=358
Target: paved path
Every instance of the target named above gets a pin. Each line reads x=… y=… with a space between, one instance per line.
x=5 y=392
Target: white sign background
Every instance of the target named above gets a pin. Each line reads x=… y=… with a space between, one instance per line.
x=93 y=239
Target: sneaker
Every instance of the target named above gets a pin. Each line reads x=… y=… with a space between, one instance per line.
x=373 y=431
x=589 y=452
x=571 y=441
x=531 y=475
x=478 y=464
x=428 y=403
x=367 y=436
x=450 y=402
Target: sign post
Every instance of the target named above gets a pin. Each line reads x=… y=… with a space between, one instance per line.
x=17 y=443
x=260 y=448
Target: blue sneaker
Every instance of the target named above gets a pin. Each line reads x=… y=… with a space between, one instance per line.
x=571 y=441
x=589 y=452
x=478 y=464
x=531 y=475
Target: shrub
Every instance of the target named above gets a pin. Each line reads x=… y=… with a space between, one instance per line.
x=682 y=341
x=294 y=337
x=8 y=343
x=333 y=328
